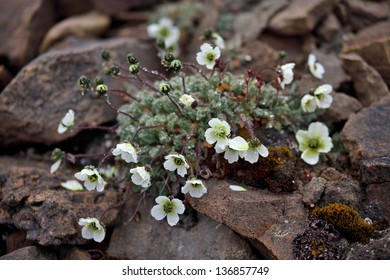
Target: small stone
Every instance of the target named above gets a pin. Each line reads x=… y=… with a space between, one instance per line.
x=301 y=16
x=313 y=190
x=367 y=82
x=342 y=107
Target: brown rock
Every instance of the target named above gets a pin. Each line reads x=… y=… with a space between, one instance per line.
x=313 y=190
x=373 y=45
x=366 y=134
x=270 y=221
x=146 y=238
x=365 y=13
x=329 y=28
x=30 y=253
x=249 y=25
x=34 y=103
x=87 y=25
x=342 y=107
x=375 y=170
x=33 y=200
x=5 y=77
x=68 y=8
x=23 y=25
x=367 y=82
x=377 y=249
x=380 y=195
x=115 y=7
x=301 y=16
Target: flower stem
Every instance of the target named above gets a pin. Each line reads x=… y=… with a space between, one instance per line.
x=123 y=93
x=194 y=66
x=119 y=111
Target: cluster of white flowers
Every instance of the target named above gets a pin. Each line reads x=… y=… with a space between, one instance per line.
x=236 y=147
x=321 y=98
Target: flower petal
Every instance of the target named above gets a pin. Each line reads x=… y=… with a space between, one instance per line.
x=237 y=188
x=179 y=206
x=173 y=219
x=158 y=212
x=310 y=156
x=54 y=167
x=99 y=235
x=86 y=232
x=161 y=199
x=72 y=185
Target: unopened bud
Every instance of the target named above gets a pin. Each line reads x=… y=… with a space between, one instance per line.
x=84 y=82
x=176 y=65
x=207 y=33
x=114 y=70
x=134 y=69
x=102 y=89
x=165 y=87
x=132 y=59
x=106 y=55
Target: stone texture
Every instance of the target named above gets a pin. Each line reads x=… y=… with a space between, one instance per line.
x=380 y=195
x=5 y=77
x=301 y=16
x=86 y=25
x=329 y=28
x=313 y=190
x=32 y=200
x=146 y=238
x=367 y=82
x=68 y=8
x=270 y=221
x=342 y=107
x=378 y=249
x=364 y=13
x=34 y=103
x=30 y=253
x=23 y=25
x=375 y=170
x=115 y=7
x=365 y=135
x=373 y=45
x=249 y=25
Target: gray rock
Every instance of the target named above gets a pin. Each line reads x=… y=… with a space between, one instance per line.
x=342 y=107
x=313 y=190
x=146 y=238
x=33 y=104
x=270 y=221
x=329 y=28
x=23 y=26
x=375 y=170
x=30 y=253
x=367 y=82
x=380 y=195
x=301 y=16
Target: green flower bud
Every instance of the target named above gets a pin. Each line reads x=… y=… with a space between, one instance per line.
x=99 y=80
x=102 y=89
x=84 y=82
x=132 y=59
x=106 y=55
x=165 y=87
x=207 y=33
x=134 y=69
x=114 y=70
x=282 y=54
x=176 y=65
x=168 y=57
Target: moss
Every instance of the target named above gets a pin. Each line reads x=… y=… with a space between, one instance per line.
x=346 y=220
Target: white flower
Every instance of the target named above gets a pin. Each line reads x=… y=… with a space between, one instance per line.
x=167 y=208
x=67 y=122
x=176 y=162
x=218 y=40
x=322 y=96
x=92 y=229
x=308 y=103
x=194 y=187
x=164 y=30
x=218 y=132
x=72 y=185
x=286 y=74
x=92 y=179
x=208 y=55
x=109 y=172
x=54 y=167
x=235 y=148
x=316 y=69
x=140 y=176
x=255 y=149
x=187 y=100
x=314 y=141
x=126 y=151
x=237 y=188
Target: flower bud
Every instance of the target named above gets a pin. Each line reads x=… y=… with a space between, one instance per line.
x=105 y=55
x=84 y=82
x=176 y=65
x=207 y=33
x=165 y=87
x=99 y=80
x=114 y=70
x=102 y=89
x=134 y=69
x=282 y=54
x=160 y=43
x=169 y=57
x=132 y=59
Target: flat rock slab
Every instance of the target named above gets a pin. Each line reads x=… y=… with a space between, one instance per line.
x=270 y=221
x=33 y=104
x=146 y=238
x=30 y=253
x=32 y=200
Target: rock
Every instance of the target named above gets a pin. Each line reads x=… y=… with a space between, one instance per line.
x=146 y=238
x=301 y=16
x=30 y=253
x=380 y=195
x=342 y=107
x=365 y=13
x=87 y=25
x=23 y=25
x=373 y=45
x=115 y=7
x=367 y=82
x=365 y=135
x=269 y=221
x=5 y=77
x=377 y=249
x=329 y=28
x=33 y=200
x=375 y=170
x=313 y=190
x=334 y=71
x=33 y=104
x=249 y=25
x=68 y=8
x=74 y=253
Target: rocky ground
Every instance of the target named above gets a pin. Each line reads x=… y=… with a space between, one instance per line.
x=46 y=45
